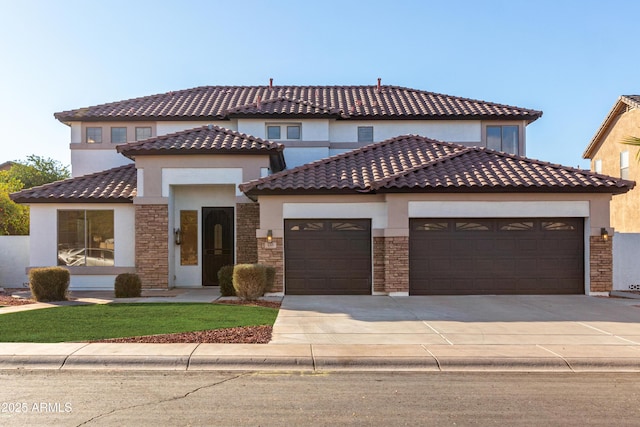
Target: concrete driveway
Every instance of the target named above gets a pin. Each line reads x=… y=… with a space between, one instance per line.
x=458 y=320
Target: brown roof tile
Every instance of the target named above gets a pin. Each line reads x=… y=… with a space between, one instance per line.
x=362 y=102
x=415 y=163
x=283 y=107
x=117 y=185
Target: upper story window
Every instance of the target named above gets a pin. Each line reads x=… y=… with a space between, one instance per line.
x=94 y=135
x=365 y=133
x=143 y=133
x=118 y=135
x=503 y=138
x=597 y=166
x=624 y=165
x=293 y=131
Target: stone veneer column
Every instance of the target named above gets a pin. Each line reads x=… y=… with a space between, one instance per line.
x=378 y=264
x=247 y=222
x=273 y=256
x=601 y=263
x=396 y=264
x=152 y=245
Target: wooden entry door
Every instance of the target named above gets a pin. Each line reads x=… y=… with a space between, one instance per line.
x=217 y=242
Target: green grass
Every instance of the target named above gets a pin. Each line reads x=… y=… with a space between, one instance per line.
x=94 y=322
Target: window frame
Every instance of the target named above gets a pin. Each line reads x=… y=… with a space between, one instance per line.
x=78 y=252
x=624 y=164
x=361 y=138
x=118 y=128
x=597 y=166
x=93 y=140
x=520 y=125
x=139 y=128
x=283 y=131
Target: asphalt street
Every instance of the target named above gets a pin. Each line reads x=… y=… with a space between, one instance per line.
x=84 y=398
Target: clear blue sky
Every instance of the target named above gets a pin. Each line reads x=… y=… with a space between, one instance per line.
x=570 y=59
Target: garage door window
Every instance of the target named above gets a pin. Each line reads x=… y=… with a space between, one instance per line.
x=473 y=226
x=347 y=226
x=431 y=226
x=558 y=226
x=515 y=226
x=308 y=226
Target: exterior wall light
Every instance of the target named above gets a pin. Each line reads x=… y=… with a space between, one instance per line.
x=269 y=236
x=604 y=233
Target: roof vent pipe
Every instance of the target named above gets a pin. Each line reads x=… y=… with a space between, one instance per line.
x=379 y=82
x=271 y=83
x=258 y=102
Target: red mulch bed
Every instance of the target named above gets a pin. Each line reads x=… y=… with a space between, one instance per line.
x=6 y=299
x=240 y=335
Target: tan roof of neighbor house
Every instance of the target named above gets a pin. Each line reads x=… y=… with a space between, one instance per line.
x=357 y=102
x=117 y=185
x=413 y=163
x=206 y=140
x=623 y=103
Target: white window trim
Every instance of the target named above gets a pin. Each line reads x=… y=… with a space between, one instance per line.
x=283 y=131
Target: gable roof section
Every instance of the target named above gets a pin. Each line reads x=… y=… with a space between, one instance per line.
x=621 y=106
x=206 y=140
x=417 y=164
x=282 y=106
x=361 y=102
x=117 y=185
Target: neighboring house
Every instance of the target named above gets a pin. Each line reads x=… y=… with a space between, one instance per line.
x=345 y=189
x=610 y=156
x=6 y=165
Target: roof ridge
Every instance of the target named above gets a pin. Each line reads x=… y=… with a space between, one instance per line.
x=327 y=108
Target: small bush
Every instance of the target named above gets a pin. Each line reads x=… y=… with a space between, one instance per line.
x=225 y=280
x=249 y=281
x=49 y=283
x=128 y=285
x=271 y=277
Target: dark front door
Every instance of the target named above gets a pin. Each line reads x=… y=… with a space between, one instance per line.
x=217 y=242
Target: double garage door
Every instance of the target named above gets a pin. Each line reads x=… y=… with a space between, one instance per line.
x=449 y=256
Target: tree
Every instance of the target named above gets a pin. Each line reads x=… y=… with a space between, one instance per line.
x=34 y=171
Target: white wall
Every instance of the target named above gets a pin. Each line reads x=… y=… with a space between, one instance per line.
x=444 y=130
x=626 y=268
x=84 y=162
x=296 y=156
x=312 y=130
x=14 y=259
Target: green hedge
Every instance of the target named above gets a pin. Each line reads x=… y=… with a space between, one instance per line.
x=49 y=283
x=225 y=280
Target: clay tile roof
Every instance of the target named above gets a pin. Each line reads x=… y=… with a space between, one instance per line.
x=117 y=185
x=284 y=107
x=623 y=103
x=419 y=164
x=361 y=102
x=202 y=140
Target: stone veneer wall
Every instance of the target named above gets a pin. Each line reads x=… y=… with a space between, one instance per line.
x=152 y=245
x=247 y=222
x=396 y=264
x=273 y=256
x=378 y=264
x=601 y=263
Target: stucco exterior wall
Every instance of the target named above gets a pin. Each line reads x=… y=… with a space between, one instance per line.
x=624 y=207
x=88 y=161
x=626 y=268
x=14 y=259
x=463 y=131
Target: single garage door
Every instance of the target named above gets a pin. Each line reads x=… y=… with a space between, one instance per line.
x=496 y=256
x=327 y=257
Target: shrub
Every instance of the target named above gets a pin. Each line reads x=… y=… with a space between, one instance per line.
x=271 y=277
x=249 y=281
x=49 y=283
x=128 y=285
x=225 y=279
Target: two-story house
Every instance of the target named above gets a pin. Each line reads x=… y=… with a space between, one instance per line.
x=345 y=189
x=610 y=156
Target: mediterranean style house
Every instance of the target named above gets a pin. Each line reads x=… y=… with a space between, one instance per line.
x=610 y=156
x=344 y=189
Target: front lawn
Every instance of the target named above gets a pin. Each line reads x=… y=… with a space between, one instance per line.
x=95 y=322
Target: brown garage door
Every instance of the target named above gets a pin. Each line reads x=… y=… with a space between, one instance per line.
x=496 y=256
x=327 y=257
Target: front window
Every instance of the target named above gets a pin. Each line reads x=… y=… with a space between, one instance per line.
x=293 y=132
x=365 y=133
x=503 y=138
x=273 y=132
x=284 y=131
x=118 y=135
x=94 y=135
x=85 y=238
x=143 y=133
x=624 y=165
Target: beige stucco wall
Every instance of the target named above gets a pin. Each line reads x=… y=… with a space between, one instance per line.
x=625 y=208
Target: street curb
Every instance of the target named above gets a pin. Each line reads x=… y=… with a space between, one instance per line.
x=144 y=363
